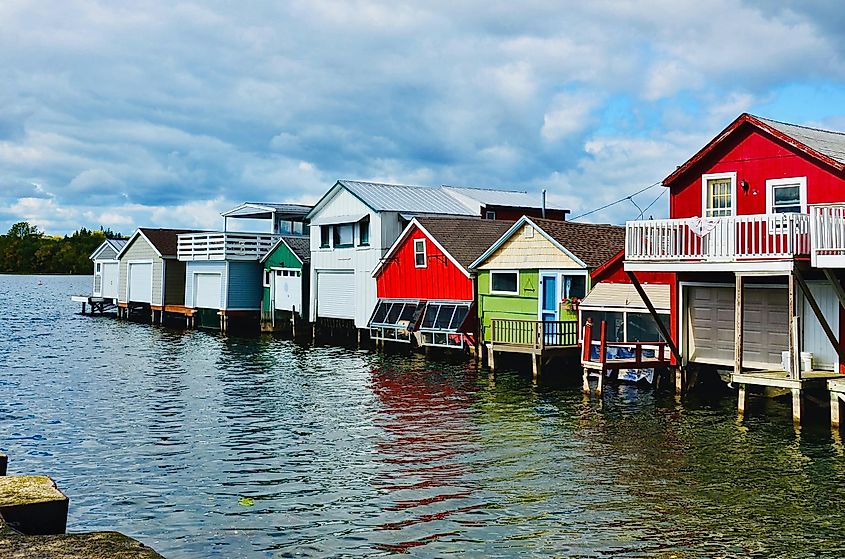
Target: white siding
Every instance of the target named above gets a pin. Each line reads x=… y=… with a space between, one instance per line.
x=336 y=294
x=140 y=282
x=814 y=339
x=140 y=249
x=109 y=275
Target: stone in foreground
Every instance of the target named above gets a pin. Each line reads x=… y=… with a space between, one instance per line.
x=94 y=545
x=33 y=505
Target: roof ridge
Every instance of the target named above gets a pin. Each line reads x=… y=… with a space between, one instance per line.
x=484 y=188
x=805 y=127
x=389 y=184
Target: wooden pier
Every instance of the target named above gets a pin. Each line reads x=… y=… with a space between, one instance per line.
x=98 y=305
x=808 y=380
x=540 y=339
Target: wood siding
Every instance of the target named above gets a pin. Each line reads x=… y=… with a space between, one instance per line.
x=244 y=285
x=174 y=282
x=440 y=279
x=140 y=249
x=522 y=252
x=282 y=257
x=524 y=306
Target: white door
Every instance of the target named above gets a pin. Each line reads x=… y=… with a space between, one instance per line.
x=710 y=319
x=207 y=290
x=140 y=282
x=765 y=332
x=109 y=280
x=336 y=294
x=814 y=340
x=287 y=290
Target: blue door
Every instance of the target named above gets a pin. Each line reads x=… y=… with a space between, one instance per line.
x=549 y=307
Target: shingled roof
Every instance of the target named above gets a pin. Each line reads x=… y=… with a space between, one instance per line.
x=464 y=238
x=165 y=241
x=301 y=246
x=593 y=243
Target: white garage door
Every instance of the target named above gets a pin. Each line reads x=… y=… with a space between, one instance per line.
x=711 y=326
x=207 y=289
x=109 y=285
x=141 y=282
x=287 y=287
x=336 y=294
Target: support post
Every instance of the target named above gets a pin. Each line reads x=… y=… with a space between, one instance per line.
x=586 y=381
x=796 y=406
x=653 y=312
x=602 y=356
x=491 y=358
x=835 y=416
x=739 y=307
x=537 y=365
x=742 y=403
x=811 y=300
x=794 y=371
x=83 y=308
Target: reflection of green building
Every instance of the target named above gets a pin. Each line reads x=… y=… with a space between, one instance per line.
x=286 y=283
x=536 y=270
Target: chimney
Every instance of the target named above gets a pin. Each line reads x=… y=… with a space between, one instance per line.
x=543 y=207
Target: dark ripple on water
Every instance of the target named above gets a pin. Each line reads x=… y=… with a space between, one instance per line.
x=161 y=433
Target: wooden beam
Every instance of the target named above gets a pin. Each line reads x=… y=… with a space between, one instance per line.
x=739 y=308
x=794 y=334
x=660 y=326
x=819 y=315
x=837 y=286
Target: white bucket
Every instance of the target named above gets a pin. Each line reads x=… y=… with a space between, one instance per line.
x=806 y=360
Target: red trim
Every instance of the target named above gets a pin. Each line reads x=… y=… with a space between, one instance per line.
x=746 y=118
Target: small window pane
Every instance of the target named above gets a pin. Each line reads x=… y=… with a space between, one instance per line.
x=460 y=314
x=641 y=327
x=575 y=286
x=615 y=324
x=343 y=235
x=381 y=312
x=419 y=253
x=325 y=231
x=393 y=313
x=408 y=312
x=504 y=281
x=364 y=232
x=430 y=315
x=445 y=317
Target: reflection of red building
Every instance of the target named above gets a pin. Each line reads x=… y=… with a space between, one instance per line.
x=425 y=290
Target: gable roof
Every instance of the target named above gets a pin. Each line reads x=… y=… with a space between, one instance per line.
x=115 y=244
x=300 y=247
x=461 y=239
x=589 y=244
x=437 y=200
x=163 y=241
x=825 y=146
x=262 y=210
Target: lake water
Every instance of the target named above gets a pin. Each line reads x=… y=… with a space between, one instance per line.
x=166 y=435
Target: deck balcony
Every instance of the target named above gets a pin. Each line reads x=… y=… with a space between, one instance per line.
x=745 y=242
x=827 y=234
x=224 y=246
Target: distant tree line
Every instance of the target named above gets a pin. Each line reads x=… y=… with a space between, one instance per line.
x=26 y=250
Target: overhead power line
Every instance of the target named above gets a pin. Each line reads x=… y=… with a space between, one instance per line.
x=628 y=197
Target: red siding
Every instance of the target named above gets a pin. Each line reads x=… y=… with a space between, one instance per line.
x=613 y=271
x=755 y=157
x=439 y=280
x=513 y=214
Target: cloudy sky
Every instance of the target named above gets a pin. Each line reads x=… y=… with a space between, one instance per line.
x=165 y=113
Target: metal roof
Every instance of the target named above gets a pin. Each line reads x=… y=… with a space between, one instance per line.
x=624 y=295
x=826 y=142
x=383 y=197
x=117 y=244
x=494 y=197
x=261 y=210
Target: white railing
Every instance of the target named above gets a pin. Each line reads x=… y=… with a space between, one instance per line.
x=746 y=237
x=827 y=232
x=224 y=246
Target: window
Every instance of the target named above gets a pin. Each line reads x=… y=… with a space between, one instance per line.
x=266 y=278
x=786 y=195
x=98 y=267
x=573 y=286
x=490 y=215
x=298 y=228
x=364 y=232
x=528 y=232
x=444 y=316
x=325 y=236
x=615 y=324
x=504 y=282
x=419 y=253
x=284 y=227
x=343 y=235
x=718 y=190
x=627 y=326
x=641 y=327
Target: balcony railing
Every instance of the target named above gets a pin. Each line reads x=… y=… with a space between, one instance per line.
x=827 y=231
x=720 y=239
x=534 y=334
x=224 y=246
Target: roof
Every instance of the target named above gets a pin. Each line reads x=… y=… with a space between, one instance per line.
x=464 y=238
x=164 y=241
x=491 y=197
x=592 y=244
x=300 y=247
x=115 y=244
x=825 y=146
x=438 y=200
x=624 y=295
x=262 y=209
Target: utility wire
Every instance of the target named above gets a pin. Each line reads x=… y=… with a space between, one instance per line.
x=628 y=197
x=659 y=196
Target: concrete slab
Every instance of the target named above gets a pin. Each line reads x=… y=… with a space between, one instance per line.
x=33 y=505
x=94 y=545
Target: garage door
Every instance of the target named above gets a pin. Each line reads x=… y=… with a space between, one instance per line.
x=109 y=278
x=711 y=326
x=207 y=290
x=141 y=282
x=287 y=286
x=336 y=294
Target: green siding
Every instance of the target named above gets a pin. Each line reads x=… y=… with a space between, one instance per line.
x=281 y=257
x=516 y=307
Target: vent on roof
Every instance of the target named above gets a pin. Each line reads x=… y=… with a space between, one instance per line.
x=529 y=232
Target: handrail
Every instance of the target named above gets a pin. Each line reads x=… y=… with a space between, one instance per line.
x=224 y=246
x=744 y=237
x=536 y=334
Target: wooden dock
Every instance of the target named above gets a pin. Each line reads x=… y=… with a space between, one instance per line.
x=807 y=380
x=540 y=339
x=98 y=305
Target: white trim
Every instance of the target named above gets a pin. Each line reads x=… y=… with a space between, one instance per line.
x=420 y=242
x=403 y=237
x=489 y=214
x=194 y=274
x=510 y=232
x=542 y=275
x=802 y=189
x=135 y=235
x=709 y=176
x=784 y=266
x=276 y=245
x=129 y=278
x=494 y=292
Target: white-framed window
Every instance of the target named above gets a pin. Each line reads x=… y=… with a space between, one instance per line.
x=504 y=282
x=718 y=194
x=528 y=232
x=420 y=260
x=98 y=267
x=344 y=235
x=267 y=278
x=786 y=195
x=490 y=215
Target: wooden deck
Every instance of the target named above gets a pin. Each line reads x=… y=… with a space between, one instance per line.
x=540 y=339
x=807 y=380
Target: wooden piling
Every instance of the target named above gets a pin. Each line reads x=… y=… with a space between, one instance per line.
x=835 y=415
x=742 y=403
